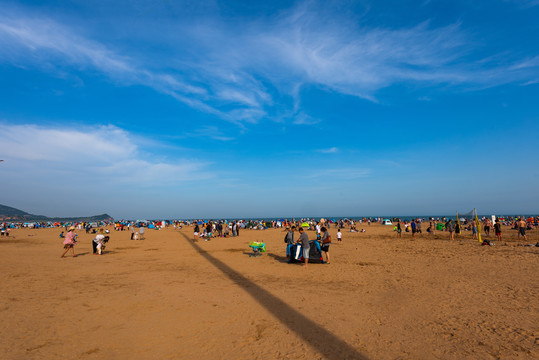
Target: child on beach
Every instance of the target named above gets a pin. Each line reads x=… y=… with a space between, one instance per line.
x=339 y=236
x=474 y=231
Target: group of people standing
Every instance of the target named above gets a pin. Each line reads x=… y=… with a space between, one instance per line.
x=453 y=227
x=323 y=237
x=216 y=229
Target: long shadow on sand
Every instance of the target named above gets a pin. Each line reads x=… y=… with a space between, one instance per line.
x=319 y=338
x=279 y=258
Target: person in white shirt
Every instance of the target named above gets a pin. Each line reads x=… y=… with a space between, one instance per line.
x=98 y=244
x=339 y=236
x=141 y=232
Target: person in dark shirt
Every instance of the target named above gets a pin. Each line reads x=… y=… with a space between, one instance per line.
x=208 y=231
x=326 y=241
x=498 y=230
x=196 y=232
x=290 y=242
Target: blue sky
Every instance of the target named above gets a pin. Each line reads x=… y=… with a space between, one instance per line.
x=175 y=109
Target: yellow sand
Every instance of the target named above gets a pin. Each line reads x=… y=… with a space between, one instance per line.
x=169 y=298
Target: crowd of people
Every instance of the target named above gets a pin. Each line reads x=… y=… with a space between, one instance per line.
x=296 y=230
x=455 y=228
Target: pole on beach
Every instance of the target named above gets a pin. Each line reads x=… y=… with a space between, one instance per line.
x=478 y=225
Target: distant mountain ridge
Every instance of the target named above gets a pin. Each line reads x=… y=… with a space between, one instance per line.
x=8 y=213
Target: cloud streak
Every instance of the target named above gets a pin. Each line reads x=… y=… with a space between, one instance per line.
x=331 y=150
x=45 y=41
x=104 y=154
x=340 y=174
x=238 y=73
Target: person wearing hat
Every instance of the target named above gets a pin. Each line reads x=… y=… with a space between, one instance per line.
x=70 y=241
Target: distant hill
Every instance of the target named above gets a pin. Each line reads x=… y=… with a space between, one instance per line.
x=8 y=213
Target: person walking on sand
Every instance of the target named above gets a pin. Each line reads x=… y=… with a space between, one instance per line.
x=70 y=241
x=399 y=229
x=498 y=230
x=413 y=225
x=132 y=231
x=304 y=241
x=522 y=228
x=339 y=236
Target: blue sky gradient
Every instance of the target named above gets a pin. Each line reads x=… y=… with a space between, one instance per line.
x=175 y=109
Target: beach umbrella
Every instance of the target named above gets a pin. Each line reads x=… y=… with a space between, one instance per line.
x=304 y=225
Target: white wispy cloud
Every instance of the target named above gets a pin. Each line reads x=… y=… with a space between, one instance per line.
x=331 y=150
x=524 y=3
x=89 y=155
x=237 y=72
x=211 y=132
x=339 y=174
x=46 y=41
x=303 y=119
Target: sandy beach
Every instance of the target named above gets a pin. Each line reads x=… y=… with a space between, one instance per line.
x=168 y=297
